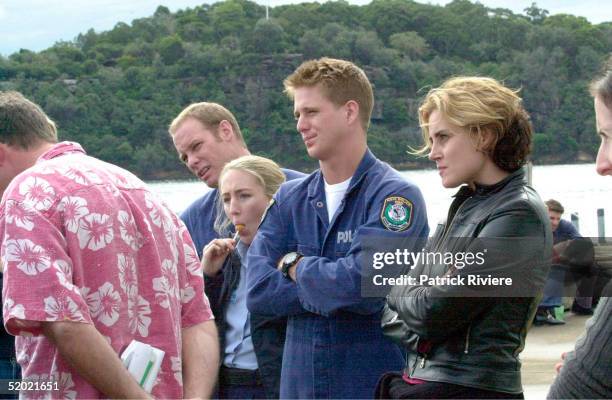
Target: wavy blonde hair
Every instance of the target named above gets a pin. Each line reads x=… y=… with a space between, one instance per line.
x=480 y=105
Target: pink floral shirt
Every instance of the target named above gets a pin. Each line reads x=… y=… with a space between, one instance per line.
x=85 y=241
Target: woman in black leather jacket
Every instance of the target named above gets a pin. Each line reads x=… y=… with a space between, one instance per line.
x=251 y=345
x=463 y=333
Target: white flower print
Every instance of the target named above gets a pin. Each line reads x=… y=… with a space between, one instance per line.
x=38 y=194
x=138 y=314
x=13 y=310
x=15 y=213
x=95 y=231
x=24 y=348
x=124 y=179
x=83 y=177
x=63 y=271
x=73 y=209
x=177 y=368
x=129 y=232
x=31 y=258
x=64 y=384
x=192 y=261
x=127 y=273
x=90 y=299
x=62 y=309
x=187 y=293
x=106 y=304
x=166 y=286
x=152 y=204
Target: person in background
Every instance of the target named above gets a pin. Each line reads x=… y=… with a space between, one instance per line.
x=571 y=254
x=308 y=259
x=251 y=344
x=463 y=340
x=92 y=261
x=586 y=371
x=207 y=136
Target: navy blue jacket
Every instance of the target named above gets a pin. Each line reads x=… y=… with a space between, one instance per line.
x=565 y=231
x=200 y=216
x=334 y=346
x=268 y=334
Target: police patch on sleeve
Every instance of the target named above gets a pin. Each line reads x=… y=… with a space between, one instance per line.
x=396 y=214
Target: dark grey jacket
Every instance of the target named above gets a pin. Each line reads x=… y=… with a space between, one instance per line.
x=471 y=334
x=587 y=371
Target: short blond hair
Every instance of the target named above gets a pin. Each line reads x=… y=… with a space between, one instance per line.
x=267 y=173
x=480 y=105
x=210 y=115
x=341 y=81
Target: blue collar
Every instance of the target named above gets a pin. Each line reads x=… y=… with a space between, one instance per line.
x=316 y=185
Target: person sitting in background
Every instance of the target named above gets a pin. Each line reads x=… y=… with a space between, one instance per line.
x=571 y=253
x=251 y=344
x=586 y=371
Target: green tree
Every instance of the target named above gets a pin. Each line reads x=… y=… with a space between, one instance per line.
x=171 y=49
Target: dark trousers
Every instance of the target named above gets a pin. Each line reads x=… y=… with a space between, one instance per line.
x=9 y=371
x=242 y=392
x=240 y=384
x=392 y=386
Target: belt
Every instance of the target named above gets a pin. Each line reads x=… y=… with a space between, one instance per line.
x=240 y=377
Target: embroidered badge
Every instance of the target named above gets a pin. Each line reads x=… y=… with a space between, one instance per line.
x=396 y=214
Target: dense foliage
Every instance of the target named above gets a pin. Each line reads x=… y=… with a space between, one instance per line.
x=117 y=91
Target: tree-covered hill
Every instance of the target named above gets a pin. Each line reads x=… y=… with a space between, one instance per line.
x=117 y=91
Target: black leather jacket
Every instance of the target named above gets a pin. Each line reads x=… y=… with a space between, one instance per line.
x=268 y=334
x=472 y=335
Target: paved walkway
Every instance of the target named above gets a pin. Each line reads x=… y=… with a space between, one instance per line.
x=543 y=350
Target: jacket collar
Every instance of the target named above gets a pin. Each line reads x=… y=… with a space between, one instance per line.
x=317 y=184
x=516 y=177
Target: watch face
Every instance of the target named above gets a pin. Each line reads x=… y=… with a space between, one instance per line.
x=290 y=258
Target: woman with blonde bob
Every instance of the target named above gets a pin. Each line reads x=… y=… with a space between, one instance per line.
x=251 y=345
x=462 y=335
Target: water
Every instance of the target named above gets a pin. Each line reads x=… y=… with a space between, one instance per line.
x=577 y=187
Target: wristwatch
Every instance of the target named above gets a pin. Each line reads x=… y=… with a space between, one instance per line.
x=288 y=261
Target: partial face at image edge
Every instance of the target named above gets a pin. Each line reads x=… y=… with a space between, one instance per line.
x=603 y=119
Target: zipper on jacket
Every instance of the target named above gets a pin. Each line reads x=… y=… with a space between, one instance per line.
x=423 y=360
x=466 y=350
x=447 y=230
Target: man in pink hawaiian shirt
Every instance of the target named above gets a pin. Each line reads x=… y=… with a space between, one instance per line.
x=92 y=260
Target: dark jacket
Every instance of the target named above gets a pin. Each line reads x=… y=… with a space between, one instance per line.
x=587 y=369
x=267 y=333
x=471 y=335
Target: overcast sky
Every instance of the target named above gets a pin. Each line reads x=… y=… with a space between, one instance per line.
x=38 y=24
